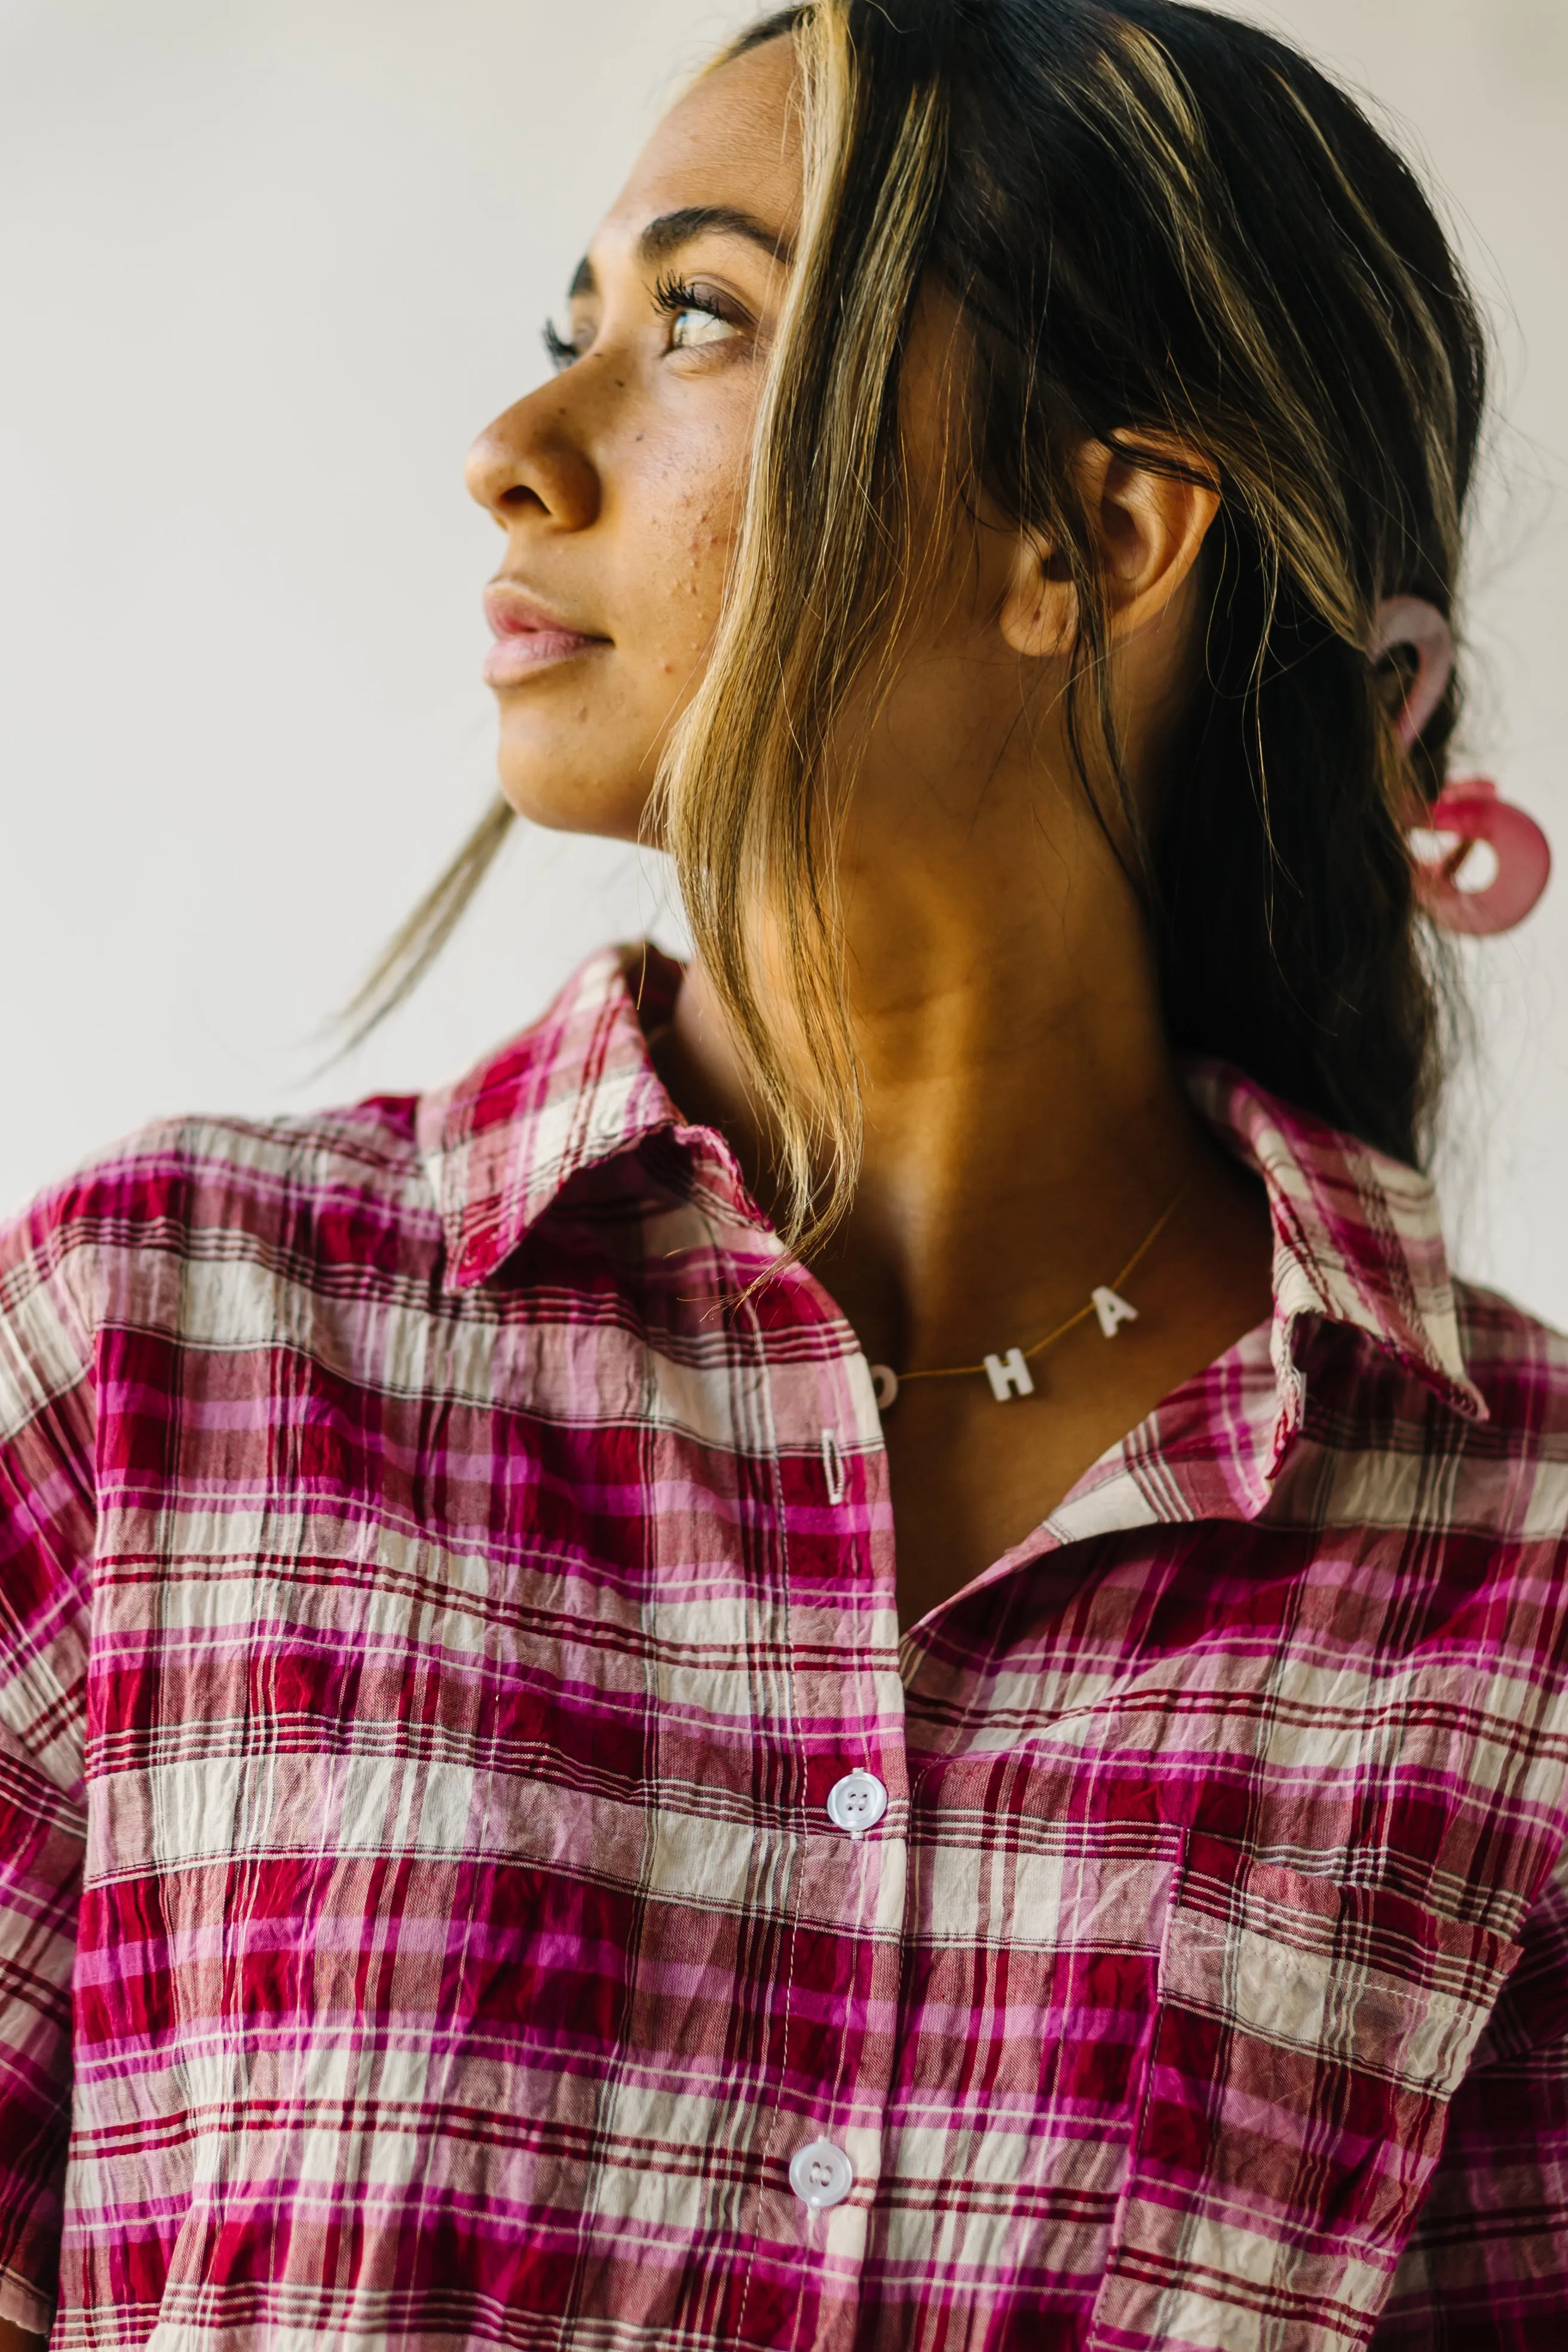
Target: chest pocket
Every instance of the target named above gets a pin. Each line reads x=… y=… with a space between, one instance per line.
x=1307 y=2041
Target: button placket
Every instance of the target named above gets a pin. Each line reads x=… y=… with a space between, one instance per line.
x=843 y=1634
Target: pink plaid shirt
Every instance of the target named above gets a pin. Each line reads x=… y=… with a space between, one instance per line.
x=434 y=1632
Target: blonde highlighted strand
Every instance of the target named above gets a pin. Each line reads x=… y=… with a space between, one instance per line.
x=754 y=783
x=424 y=930
x=1162 y=229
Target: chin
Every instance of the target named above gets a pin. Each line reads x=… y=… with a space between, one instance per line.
x=562 y=795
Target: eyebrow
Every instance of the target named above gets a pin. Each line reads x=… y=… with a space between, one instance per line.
x=667 y=232
x=664 y=235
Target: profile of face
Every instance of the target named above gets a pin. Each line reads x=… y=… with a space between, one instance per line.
x=617 y=483
x=619 y=486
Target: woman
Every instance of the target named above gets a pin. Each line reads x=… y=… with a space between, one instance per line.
x=482 y=1860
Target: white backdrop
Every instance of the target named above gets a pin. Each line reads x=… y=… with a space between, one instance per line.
x=263 y=272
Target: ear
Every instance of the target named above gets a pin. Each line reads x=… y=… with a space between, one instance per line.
x=1149 y=527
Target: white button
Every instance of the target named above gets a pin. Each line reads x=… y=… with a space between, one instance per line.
x=821 y=2174
x=857 y=1803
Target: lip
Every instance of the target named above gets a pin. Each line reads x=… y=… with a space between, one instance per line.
x=528 y=636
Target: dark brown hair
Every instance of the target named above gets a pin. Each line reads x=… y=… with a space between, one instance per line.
x=1164 y=227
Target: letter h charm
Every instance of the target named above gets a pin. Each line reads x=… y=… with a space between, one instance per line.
x=1008 y=1375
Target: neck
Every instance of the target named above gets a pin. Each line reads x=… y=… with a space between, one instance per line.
x=1024 y=1126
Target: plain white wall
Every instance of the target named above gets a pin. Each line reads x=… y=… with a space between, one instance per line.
x=263 y=271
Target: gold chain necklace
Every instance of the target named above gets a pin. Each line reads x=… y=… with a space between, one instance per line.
x=1009 y=1374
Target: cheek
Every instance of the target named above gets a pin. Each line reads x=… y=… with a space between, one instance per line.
x=688 y=545
x=581 y=753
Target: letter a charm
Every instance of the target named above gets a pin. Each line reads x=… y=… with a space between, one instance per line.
x=1008 y=1375
x=1112 y=1311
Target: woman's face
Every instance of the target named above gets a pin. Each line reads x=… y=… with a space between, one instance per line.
x=617 y=484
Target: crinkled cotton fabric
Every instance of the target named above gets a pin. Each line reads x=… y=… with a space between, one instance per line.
x=439 y=1588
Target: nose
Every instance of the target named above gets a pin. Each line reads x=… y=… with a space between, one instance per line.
x=530 y=463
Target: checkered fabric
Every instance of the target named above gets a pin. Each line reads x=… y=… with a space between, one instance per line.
x=437 y=1599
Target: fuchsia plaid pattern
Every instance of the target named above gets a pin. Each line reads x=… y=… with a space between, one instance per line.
x=434 y=1615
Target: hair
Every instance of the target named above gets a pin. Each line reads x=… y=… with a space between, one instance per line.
x=1167 y=229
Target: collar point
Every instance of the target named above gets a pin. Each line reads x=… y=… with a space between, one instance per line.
x=467 y=1267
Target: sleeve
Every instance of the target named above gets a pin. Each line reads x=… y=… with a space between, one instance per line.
x=1486 y=2269
x=48 y=1528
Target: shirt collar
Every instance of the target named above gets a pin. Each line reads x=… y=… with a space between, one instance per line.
x=575 y=1091
x=1358 y=1238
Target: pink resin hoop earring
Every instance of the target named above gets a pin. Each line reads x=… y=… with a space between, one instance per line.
x=1474 y=813
x=1411 y=620
x=1471 y=812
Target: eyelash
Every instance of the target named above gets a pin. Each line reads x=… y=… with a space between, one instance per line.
x=671 y=296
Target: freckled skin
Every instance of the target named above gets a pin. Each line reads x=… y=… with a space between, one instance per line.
x=616 y=483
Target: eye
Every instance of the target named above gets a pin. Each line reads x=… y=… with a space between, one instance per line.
x=563 y=349
x=695 y=325
x=696 y=315
x=558 y=352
